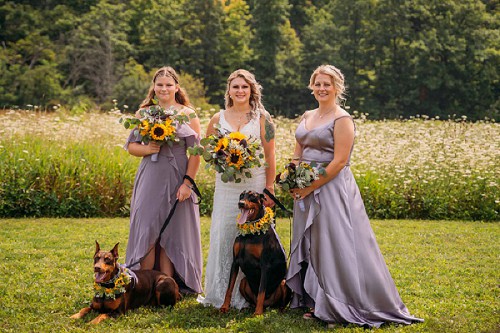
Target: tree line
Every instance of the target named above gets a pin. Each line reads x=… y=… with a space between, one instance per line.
x=400 y=58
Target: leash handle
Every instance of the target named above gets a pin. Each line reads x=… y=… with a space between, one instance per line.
x=195 y=188
x=276 y=201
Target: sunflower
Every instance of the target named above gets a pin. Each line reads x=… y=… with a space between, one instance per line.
x=170 y=127
x=144 y=127
x=159 y=132
x=235 y=158
x=237 y=136
x=221 y=144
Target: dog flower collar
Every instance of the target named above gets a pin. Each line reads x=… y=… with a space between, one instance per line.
x=114 y=287
x=259 y=226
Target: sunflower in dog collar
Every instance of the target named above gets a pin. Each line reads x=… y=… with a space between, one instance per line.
x=116 y=285
x=259 y=226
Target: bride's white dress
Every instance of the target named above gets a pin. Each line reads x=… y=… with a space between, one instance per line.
x=223 y=228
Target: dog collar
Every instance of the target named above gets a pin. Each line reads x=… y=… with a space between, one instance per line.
x=114 y=287
x=259 y=226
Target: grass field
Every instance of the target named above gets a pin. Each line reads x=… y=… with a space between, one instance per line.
x=447 y=272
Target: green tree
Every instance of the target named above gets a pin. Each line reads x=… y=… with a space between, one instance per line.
x=456 y=52
x=98 y=50
x=236 y=39
x=435 y=58
x=132 y=87
x=277 y=56
x=201 y=51
x=157 y=32
x=28 y=58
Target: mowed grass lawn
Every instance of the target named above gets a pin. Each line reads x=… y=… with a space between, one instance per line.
x=447 y=272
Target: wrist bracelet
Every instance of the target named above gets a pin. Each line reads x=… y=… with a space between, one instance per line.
x=193 y=187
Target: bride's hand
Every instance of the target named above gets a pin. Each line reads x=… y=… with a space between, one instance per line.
x=268 y=202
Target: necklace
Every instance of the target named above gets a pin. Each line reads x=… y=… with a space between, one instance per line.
x=324 y=114
x=242 y=113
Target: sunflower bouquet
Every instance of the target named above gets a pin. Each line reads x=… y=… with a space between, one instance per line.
x=232 y=154
x=299 y=176
x=156 y=124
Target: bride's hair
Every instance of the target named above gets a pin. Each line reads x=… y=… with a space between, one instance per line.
x=255 y=90
x=337 y=80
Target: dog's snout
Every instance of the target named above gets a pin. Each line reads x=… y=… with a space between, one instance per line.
x=241 y=204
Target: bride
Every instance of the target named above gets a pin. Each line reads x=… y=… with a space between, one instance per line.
x=244 y=113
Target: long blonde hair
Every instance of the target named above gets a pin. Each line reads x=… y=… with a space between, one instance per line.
x=337 y=80
x=181 y=96
x=255 y=91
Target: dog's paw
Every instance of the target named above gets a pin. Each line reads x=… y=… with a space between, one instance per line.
x=80 y=314
x=99 y=318
x=258 y=313
x=224 y=309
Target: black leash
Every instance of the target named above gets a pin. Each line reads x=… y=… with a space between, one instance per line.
x=194 y=188
x=167 y=220
x=290 y=213
x=276 y=201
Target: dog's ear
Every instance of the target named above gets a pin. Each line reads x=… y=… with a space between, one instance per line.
x=114 y=251
x=97 y=247
x=242 y=194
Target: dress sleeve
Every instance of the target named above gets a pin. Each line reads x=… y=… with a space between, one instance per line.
x=185 y=131
x=134 y=136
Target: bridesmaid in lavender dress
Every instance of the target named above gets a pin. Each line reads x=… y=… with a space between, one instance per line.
x=157 y=186
x=336 y=267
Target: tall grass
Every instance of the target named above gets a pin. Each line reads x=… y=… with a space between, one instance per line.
x=54 y=164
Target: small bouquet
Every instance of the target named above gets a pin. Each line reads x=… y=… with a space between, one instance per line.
x=299 y=176
x=156 y=124
x=230 y=154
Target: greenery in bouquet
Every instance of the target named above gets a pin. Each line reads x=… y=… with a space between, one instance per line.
x=156 y=124
x=299 y=176
x=232 y=154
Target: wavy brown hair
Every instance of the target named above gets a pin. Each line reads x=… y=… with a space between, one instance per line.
x=255 y=91
x=181 y=96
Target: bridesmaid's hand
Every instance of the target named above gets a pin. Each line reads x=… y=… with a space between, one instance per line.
x=183 y=192
x=301 y=193
x=153 y=148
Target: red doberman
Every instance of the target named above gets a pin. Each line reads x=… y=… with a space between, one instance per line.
x=118 y=289
x=260 y=255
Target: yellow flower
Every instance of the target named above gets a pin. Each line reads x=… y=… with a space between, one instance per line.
x=158 y=132
x=144 y=127
x=237 y=136
x=235 y=158
x=170 y=130
x=221 y=144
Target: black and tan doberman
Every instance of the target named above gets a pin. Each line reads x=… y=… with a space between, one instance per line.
x=118 y=289
x=260 y=255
